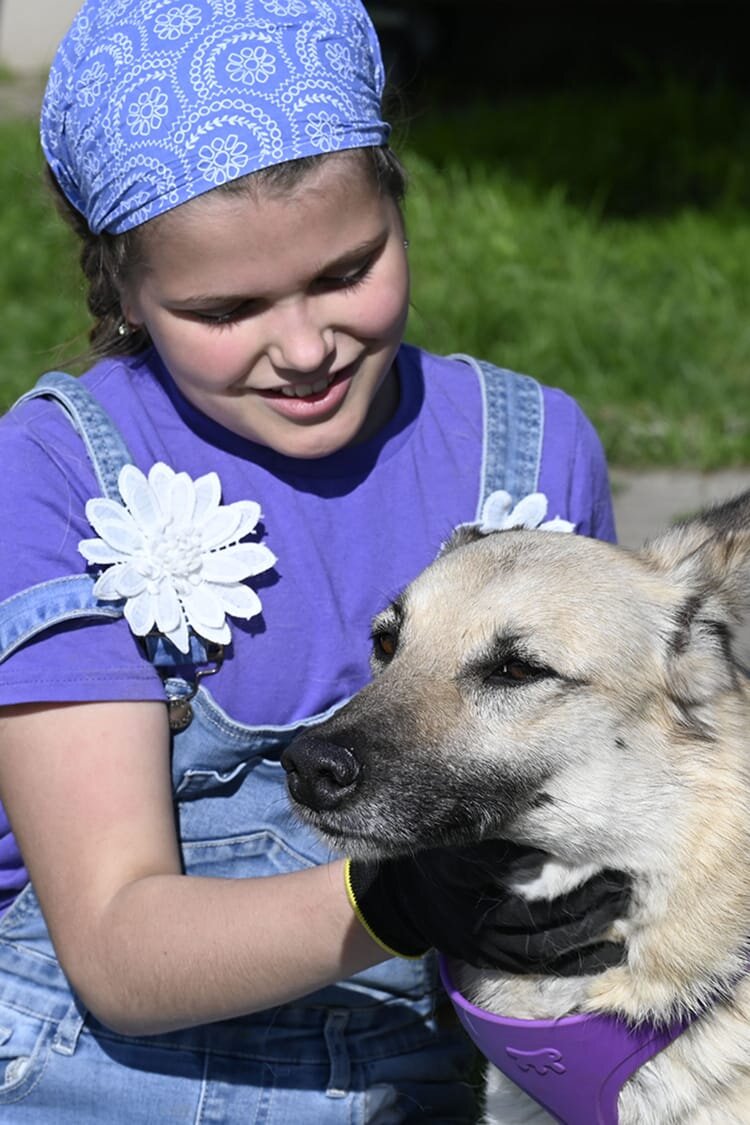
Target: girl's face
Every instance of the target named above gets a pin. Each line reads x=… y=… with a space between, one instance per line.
x=279 y=316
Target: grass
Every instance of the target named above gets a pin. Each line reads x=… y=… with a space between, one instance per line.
x=646 y=322
x=649 y=149
x=41 y=295
x=599 y=244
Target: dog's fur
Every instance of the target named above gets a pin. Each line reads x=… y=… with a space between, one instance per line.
x=586 y=700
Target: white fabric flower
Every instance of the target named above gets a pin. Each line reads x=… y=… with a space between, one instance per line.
x=498 y=514
x=173 y=552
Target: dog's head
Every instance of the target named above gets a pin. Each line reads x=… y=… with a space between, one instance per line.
x=545 y=688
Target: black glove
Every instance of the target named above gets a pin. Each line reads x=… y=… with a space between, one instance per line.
x=457 y=900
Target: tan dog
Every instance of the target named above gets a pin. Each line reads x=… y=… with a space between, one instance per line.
x=588 y=701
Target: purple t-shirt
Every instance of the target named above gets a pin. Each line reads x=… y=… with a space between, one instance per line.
x=349 y=531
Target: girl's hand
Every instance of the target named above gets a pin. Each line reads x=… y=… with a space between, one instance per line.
x=87 y=789
x=457 y=900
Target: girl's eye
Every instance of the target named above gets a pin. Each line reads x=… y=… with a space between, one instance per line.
x=219 y=318
x=223 y=317
x=347 y=280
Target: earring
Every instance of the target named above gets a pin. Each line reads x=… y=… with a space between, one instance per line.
x=123 y=329
x=406 y=244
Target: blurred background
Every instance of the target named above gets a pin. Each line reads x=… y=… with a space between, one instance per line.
x=578 y=210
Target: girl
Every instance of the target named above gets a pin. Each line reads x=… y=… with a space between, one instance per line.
x=253 y=466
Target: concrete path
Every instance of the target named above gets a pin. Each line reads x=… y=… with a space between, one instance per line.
x=30 y=31
x=647 y=502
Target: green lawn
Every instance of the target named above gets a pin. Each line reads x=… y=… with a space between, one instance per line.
x=646 y=322
x=44 y=318
x=555 y=235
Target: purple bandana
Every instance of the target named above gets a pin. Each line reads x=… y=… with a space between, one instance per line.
x=152 y=102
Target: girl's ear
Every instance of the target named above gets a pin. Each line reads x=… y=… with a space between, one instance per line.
x=130 y=309
x=126 y=295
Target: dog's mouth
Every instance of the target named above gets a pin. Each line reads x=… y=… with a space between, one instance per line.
x=380 y=835
x=383 y=843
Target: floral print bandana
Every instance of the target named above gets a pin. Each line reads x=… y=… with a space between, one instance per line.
x=152 y=102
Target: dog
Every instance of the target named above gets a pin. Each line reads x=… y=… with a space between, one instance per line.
x=587 y=701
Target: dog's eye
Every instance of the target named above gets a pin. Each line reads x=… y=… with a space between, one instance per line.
x=385 y=645
x=514 y=672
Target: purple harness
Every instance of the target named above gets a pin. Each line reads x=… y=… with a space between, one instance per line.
x=574 y=1067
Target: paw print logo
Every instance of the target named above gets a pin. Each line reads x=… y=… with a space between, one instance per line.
x=546 y=1060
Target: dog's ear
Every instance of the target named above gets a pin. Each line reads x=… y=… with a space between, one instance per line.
x=708 y=559
x=710 y=552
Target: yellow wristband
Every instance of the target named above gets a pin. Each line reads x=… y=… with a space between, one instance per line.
x=366 y=925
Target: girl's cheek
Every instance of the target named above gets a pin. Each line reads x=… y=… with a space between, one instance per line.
x=386 y=311
x=215 y=353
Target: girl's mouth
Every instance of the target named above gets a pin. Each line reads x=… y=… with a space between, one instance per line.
x=310 y=401
x=304 y=390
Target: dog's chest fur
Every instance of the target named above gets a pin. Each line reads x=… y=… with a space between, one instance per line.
x=703 y=1078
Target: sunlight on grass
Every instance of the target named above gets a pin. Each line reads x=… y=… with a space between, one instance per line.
x=44 y=320
x=646 y=322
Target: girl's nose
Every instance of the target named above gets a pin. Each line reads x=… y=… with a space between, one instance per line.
x=299 y=342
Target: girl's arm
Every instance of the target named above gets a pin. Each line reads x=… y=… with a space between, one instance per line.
x=148 y=949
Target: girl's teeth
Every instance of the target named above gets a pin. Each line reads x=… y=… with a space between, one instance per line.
x=301 y=390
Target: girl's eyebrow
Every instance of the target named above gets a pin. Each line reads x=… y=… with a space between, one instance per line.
x=210 y=300
x=355 y=253
x=349 y=257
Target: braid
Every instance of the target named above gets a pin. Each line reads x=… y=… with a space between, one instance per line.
x=105 y=260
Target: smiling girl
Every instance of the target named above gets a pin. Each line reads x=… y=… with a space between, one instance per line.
x=254 y=464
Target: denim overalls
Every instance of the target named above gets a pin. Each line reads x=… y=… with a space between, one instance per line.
x=379 y=1048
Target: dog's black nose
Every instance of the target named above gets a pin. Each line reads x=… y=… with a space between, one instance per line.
x=320 y=774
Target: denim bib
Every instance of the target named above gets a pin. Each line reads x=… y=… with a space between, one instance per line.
x=373 y=1048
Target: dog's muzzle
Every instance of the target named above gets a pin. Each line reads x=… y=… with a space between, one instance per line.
x=320 y=774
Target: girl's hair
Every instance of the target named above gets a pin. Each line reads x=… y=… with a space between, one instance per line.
x=108 y=261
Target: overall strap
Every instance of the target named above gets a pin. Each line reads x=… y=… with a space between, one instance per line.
x=40 y=607
x=513 y=430
x=104 y=445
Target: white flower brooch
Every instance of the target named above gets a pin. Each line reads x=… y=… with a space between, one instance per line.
x=498 y=514
x=172 y=551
